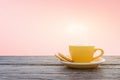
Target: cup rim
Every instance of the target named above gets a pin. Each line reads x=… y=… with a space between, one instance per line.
x=81 y=45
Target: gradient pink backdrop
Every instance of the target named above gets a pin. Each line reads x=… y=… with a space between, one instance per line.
x=38 y=27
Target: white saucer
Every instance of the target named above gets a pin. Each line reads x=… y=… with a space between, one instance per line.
x=92 y=64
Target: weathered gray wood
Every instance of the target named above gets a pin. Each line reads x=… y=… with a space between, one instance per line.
x=43 y=60
x=49 y=68
x=71 y=76
x=56 y=72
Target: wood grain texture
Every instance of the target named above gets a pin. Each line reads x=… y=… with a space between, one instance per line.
x=49 y=68
x=46 y=60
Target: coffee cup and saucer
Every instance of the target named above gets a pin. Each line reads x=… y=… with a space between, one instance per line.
x=82 y=56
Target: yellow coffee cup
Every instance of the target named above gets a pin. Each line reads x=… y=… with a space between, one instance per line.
x=84 y=53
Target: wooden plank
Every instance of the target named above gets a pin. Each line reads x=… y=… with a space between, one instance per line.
x=42 y=60
x=58 y=77
x=56 y=73
x=49 y=68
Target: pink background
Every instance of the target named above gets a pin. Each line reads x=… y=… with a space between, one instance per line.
x=45 y=27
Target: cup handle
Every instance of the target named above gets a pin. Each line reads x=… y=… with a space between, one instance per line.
x=102 y=52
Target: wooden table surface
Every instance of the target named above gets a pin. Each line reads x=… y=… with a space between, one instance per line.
x=49 y=68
